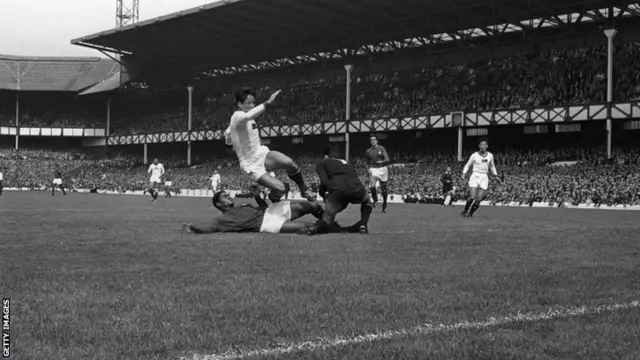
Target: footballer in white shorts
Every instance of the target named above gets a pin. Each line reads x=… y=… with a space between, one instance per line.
x=254 y=167
x=481 y=163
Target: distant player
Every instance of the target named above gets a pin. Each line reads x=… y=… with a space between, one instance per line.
x=340 y=186
x=481 y=162
x=275 y=218
x=57 y=183
x=2 y=170
x=256 y=160
x=167 y=188
x=157 y=171
x=448 y=190
x=378 y=159
x=215 y=181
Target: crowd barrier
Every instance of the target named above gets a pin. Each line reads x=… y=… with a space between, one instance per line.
x=393 y=198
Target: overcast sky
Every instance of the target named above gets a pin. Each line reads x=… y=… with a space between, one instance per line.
x=46 y=27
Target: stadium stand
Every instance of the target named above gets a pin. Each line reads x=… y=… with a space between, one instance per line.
x=559 y=77
x=556 y=77
x=48 y=87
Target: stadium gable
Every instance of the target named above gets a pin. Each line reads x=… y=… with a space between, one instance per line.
x=54 y=74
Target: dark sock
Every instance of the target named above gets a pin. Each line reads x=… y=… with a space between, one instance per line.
x=319 y=226
x=365 y=213
x=154 y=194
x=374 y=194
x=296 y=176
x=475 y=207
x=468 y=205
x=384 y=198
x=63 y=192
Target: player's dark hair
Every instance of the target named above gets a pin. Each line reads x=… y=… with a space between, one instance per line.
x=483 y=139
x=326 y=152
x=216 y=199
x=243 y=94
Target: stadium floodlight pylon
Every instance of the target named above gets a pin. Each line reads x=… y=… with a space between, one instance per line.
x=127 y=12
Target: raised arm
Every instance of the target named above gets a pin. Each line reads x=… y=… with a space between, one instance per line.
x=240 y=117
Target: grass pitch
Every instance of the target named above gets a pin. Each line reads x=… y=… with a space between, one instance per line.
x=111 y=277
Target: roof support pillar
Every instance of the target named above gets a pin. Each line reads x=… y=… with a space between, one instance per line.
x=610 y=34
x=347 y=107
x=17 y=119
x=189 y=122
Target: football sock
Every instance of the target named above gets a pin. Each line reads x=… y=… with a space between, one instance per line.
x=297 y=178
x=475 y=207
x=447 y=200
x=365 y=213
x=383 y=188
x=374 y=193
x=468 y=205
x=275 y=196
x=319 y=226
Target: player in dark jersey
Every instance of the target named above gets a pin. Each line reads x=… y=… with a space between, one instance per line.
x=275 y=218
x=57 y=183
x=447 y=187
x=378 y=159
x=340 y=186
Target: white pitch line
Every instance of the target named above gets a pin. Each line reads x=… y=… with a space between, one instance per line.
x=425 y=329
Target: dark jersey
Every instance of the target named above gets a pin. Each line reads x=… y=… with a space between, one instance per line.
x=338 y=175
x=375 y=154
x=447 y=182
x=243 y=218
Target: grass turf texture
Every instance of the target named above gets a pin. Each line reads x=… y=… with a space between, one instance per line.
x=111 y=277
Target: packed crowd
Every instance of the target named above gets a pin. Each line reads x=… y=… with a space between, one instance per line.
x=556 y=77
x=528 y=176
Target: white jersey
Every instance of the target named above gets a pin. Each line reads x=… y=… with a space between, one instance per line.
x=480 y=164
x=215 y=180
x=1 y=176
x=243 y=133
x=156 y=171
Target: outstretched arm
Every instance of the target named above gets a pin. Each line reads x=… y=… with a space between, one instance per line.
x=208 y=229
x=240 y=117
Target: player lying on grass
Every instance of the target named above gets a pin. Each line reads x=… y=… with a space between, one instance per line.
x=275 y=218
x=340 y=186
x=257 y=160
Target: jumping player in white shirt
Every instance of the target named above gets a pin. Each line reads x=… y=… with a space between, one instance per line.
x=157 y=171
x=256 y=160
x=481 y=162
